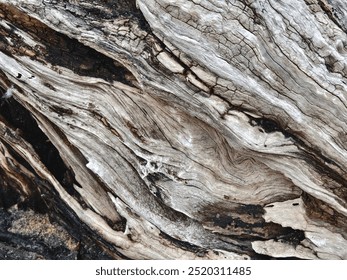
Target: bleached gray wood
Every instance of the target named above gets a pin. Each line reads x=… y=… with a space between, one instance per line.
x=234 y=112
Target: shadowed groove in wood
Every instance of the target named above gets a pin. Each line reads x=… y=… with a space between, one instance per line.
x=59 y=50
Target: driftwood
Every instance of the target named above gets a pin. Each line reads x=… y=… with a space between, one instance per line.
x=176 y=129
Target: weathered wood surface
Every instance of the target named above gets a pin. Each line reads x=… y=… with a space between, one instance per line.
x=181 y=129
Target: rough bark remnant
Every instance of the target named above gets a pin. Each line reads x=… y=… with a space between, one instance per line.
x=168 y=129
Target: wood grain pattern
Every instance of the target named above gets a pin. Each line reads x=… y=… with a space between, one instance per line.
x=185 y=129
